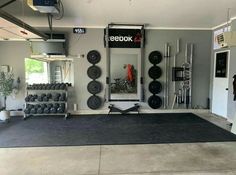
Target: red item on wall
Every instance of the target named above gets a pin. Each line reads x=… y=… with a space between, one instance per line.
x=130 y=76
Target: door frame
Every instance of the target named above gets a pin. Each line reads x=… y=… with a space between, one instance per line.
x=227 y=76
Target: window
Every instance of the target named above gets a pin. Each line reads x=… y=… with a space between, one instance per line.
x=36 y=71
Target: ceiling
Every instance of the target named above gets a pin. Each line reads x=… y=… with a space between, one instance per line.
x=10 y=31
x=172 y=14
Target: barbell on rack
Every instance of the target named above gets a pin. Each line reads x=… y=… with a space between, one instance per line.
x=52 y=86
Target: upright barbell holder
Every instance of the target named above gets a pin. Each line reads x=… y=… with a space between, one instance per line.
x=191 y=74
x=166 y=81
x=107 y=89
x=176 y=95
x=142 y=52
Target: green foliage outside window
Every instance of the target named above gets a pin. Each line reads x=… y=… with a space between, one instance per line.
x=33 y=66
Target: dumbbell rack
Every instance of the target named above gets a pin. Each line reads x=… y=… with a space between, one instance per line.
x=38 y=92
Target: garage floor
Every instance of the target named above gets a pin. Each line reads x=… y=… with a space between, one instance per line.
x=160 y=159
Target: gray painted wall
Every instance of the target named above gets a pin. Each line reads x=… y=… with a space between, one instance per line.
x=93 y=39
x=201 y=59
x=13 y=54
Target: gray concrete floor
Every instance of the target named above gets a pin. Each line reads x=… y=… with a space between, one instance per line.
x=160 y=159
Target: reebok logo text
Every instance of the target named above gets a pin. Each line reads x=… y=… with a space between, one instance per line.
x=121 y=38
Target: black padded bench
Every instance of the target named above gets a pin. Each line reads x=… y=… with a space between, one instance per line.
x=134 y=108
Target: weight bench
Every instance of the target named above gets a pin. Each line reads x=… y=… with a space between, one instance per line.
x=134 y=108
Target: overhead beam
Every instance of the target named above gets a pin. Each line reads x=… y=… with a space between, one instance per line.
x=20 y=23
x=7 y=3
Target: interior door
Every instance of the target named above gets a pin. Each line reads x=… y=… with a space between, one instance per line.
x=220 y=83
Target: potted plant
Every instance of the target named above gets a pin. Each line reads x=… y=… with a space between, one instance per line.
x=6 y=88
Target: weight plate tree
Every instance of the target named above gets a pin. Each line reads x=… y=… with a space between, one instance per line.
x=94 y=87
x=155 y=86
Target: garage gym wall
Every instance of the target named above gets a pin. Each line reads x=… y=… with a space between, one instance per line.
x=231 y=107
x=232 y=71
x=155 y=40
x=93 y=40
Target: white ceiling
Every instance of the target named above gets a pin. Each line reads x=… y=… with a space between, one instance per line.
x=194 y=14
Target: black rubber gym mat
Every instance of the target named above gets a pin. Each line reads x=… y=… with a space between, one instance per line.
x=110 y=130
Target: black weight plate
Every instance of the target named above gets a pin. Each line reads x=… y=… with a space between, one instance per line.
x=155 y=72
x=94 y=87
x=93 y=57
x=155 y=102
x=94 y=102
x=94 y=72
x=155 y=87
x=155 y=57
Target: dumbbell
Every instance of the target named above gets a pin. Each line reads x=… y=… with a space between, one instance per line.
x=33 y=111
x=29 y=106
x=49 y=95
x=62 y=86
x=56 y=105
x=56 y=97
x=53 y=110
x=32 y=99
x=43 y=106
x=40 y=87
x=40 y=98
x=29 y=87
x=29 y=96
x=27 y=99
x=36 y=87
x=49 y=105
x=60 y=110
x=62 y=98
x=27 y=111
x=40 y=110
x=37 y=106
x=52 y=87
x=43 y=87
x=46 y=110
x=68 y=84
x=45 y=98
x=57 y=86
x=62 y=105
x=47 y=87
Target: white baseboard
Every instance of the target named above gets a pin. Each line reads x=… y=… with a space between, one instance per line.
x=145 y=111
x=105 y=111
x=16 y=113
